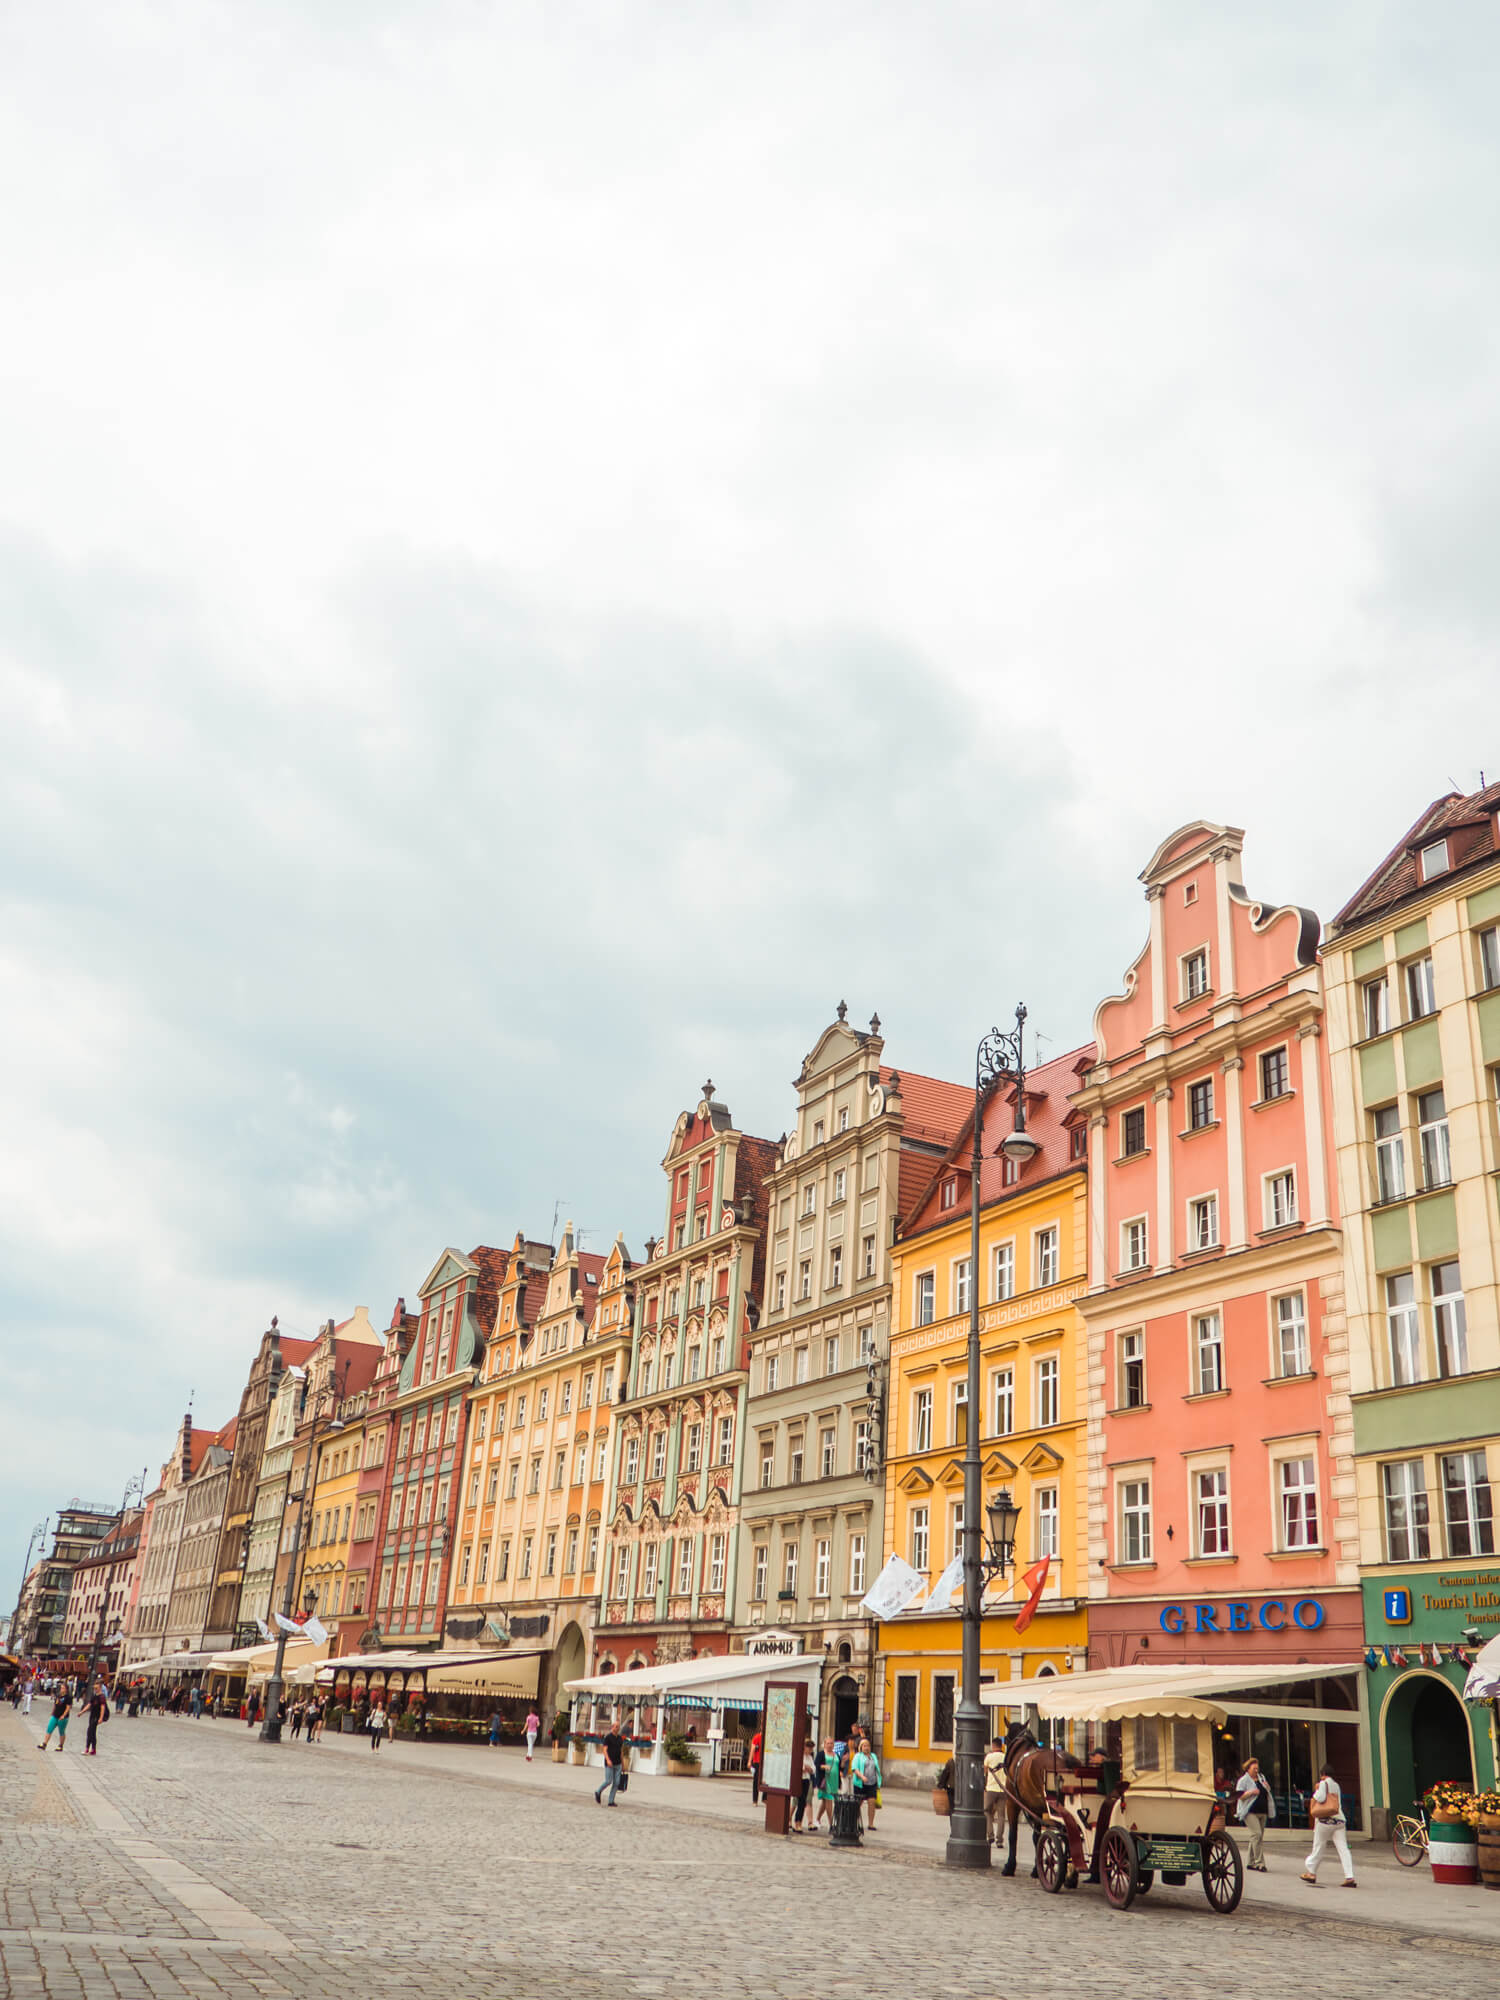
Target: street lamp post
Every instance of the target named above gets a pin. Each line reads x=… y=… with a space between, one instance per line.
x=998 y=1055
x=270 y=1726
x=38 y=1534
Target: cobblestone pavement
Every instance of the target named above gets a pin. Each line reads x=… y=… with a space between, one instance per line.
x=189 y=1860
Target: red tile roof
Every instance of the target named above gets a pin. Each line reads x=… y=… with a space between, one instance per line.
x=227 y=1436
x=1049 y=1119
x=1468 y=822
x=933 y=1110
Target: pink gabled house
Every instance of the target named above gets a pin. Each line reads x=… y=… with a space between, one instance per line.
x=1222 y=1522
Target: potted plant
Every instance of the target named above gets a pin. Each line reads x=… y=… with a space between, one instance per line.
x=682 y=1757
x=577 y=1747
x=559 y=1735
x=1452 y=1848
x=1487 y=1806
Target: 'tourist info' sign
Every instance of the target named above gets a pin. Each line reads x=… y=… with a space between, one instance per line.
x=1226 y=1620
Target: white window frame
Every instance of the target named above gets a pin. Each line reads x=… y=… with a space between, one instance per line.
x=1003 y=1401
x=1294 y=1323
x=1047 y=1522
x=1136 y=1511
x=1278 y=1196
x=1450 y=1322
x=921 y=1419
x=1130 y=1353
x=959 y=1274
x=1375 y=1007
x=1432 y=860
x=1198 y=1472
x=1003 y=1271
x=924 y=1298
x=1419 y=985
x=1403 y=1328
x=1411 y=1494
x=919 y=1538
x=1203 y=1347
x=1289 y=1539
x=1046 y=1390
x=822 y=1567
x=1189 y=987
x=1390 y=1154
x=1487 y=943
x=1203 y=1209
x=1046 y=1255
x=1135 y=1244
x=856 y=1565
x=760 y=1572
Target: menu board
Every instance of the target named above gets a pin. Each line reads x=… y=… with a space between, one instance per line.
x=782 y=1731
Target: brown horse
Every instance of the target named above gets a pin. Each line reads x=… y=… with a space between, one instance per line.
x=1027 y=1767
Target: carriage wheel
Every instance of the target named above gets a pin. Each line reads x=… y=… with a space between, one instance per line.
x=1223 y=1873
x=1051 y=1859
x=1119 y=1870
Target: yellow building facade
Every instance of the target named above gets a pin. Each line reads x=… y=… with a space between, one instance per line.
x=1033 y=1419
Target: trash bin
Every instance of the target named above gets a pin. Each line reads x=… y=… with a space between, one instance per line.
x=848 y=1825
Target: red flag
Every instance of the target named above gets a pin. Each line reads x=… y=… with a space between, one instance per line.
x=1034 y=1579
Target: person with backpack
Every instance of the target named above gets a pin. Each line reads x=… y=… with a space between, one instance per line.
x=98 y=1712
x=1256 y=1806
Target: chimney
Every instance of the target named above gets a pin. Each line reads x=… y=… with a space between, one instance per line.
x=187 y=1447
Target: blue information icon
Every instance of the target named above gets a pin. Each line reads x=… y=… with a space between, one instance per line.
x=1398 y=1607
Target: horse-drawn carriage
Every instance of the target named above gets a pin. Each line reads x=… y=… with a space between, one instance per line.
x=1142 y=1804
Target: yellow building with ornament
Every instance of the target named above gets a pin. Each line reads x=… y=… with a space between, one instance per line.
x=1033 y=1236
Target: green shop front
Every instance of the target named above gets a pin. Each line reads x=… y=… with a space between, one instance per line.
x=1416 y=1624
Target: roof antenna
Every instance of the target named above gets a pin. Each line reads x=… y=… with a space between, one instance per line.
x=557 y=1209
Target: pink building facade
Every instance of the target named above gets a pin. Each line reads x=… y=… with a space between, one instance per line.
x=1222 y=1524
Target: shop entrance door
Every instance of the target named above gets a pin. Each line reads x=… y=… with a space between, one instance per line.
x=845 y=1707
x=1427 y=1738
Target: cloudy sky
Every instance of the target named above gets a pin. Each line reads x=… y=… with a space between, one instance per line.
x=543 y=545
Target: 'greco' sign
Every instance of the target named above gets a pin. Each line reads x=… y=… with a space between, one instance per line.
x=1227 y=1620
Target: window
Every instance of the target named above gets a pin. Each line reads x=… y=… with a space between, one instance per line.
x=956 y=1529
x=906 y=1708
x=1489 y=957
x=658 y=1454
x=856 y=1565
x=716 y=1547
x=587 y=1399
x=828 y=1456
x=1420 y=994
x=694 y=1364
x=679 y=1234
x=1292 y=1356
x=801 y=1365
x=867 y=1257
x=606 y=1387
x=1375 y=1006
x=773 y=1372
x=867 y=1343
x=1046 y=1522
x=836 y=1265
x=817 y=1137
x=463 y=1567
x=762 y=1565
x=1132 y=1384
x=1135 y=1521
x=1133 y=1131
x=1147 y=1743
x=959 y=1429
x=840 y=1181
x=810 y=1199
x=534 y=1477
x=767 y=1465
x=1200 y=1104
x=1203 y=1222
x=1450 y=1324
x=1044 y=1256
x=921 y=1420
x=1433 y=859
x=804 y=1279
x=1432 y=1139
x=717 y=1356
x=520 y=1411
x=948 y=1197
x=926 y=1298
x=1046 y=1382
x=600 y=1457
x=694 y=1447
x=1467 y=1509
x=700 y=1292
x=725 y=1454
x=581 y=1464
x=666 y=1371
x=794 y=1459
x=559 y=1467
x=513 y=1479
x=566 y=1403
x=831 y=1355
x=1195 y=975
x=1133 y=1252
x=822 y=1562
x=549 y=1559
x=1208 y=1354
x=779 y=1295
x=484 y=1564
x=843 y=1119
x=570 y=1554
x=648 y=1570
x=1275 y=1078
x=1404 y=1487
x=525 y=1570
x=684 y=1565
x=1003 y=1400
x=632 y=1460
x=1390 y=1155
x=1280 y=1199
x=543 y=1402
x=1010 y=1171
x=1297 y=1479
x=917 y=1538
x=789 y=1553
x=1004 y=1272
x=591 y=1552
x=1403 y=1329
x=1212 y=1492
x=479 y=1425
x=622 y=1572
x=961 y=1285
x=864 y=1456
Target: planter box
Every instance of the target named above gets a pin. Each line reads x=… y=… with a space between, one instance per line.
x=1454 y=1852
x=576 y=1755
x=559 y=1753
x=682 y=1770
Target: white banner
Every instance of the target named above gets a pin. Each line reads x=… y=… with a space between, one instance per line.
x=940 y=1597
x=895 y=1587
x=314 y=1629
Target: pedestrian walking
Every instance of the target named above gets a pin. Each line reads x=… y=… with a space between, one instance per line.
x=864 y=1769
x=828 y=1781
x=1329 y=1829
x=98 y=1712
x=533 y=1730
x=377 y=1725
x=298 y=1714
x=315 y=1721
x=62 y=1708
x=195 y=1702
x=614 y=1765
x=1256 y=1806
x=494 y=1728
x=755 y=1750
x=26 y=1699
x=994 y=1790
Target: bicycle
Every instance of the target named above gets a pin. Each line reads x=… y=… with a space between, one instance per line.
x=1409 y=1839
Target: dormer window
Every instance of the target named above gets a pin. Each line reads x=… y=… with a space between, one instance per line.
x=1433 y=860
x=949 y=1195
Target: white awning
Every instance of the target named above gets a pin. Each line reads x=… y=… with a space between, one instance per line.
x=260 y=1653
x=514 y=1674
x=404 y=1663
x=181 y=1662
x=1119 y=1691
x=728 y=1680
